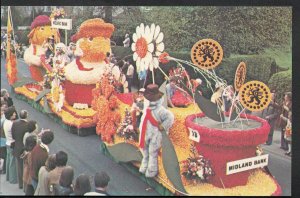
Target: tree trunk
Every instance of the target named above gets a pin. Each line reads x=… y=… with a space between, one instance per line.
x=108 y=14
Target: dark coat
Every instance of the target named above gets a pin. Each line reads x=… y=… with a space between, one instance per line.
x=60 y=190
x=19 y=128
x=273 y=112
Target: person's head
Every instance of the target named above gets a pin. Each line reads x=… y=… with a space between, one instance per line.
x=30 y=142
x=107 y=54
x=141 y=93
x=101 y=179
x=32 y=125
x=82 y=185
x=23 y=114
x=4 y=93
x=61 y=158
x=288 y=97
x=50 y=162
x=172 y=81
x=66 y=177
x=273 y=96
x=3 y=102
x=10 y=113
x=126 y=35
x=47 y=137
x=3 y=109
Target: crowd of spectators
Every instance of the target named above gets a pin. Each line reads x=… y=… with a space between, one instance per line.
x=29 y=164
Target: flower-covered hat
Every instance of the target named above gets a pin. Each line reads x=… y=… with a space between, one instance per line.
x=94 y=28
x=40 y=20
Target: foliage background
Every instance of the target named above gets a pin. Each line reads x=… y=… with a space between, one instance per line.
x=260 y=36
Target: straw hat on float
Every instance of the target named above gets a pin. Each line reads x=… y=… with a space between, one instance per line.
x=94 y=28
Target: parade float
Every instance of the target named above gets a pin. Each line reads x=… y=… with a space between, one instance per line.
x=208 y=150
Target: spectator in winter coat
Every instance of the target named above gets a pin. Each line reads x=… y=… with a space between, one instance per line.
x=39 y=156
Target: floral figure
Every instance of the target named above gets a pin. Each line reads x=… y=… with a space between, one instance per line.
x=147 y=46
x=105 y=105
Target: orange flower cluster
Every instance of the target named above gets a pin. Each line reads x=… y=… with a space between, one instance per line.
x=11 y=67
x=105 y=104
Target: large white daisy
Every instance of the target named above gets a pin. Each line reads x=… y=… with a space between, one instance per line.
x=147 y=46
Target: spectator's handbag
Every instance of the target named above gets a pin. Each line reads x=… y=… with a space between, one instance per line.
x=288 y=132
x=12 y=145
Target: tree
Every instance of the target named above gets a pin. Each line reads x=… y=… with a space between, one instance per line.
x=108 y=14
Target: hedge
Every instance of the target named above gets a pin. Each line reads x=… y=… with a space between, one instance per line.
x=281 y=82
x=259 y=67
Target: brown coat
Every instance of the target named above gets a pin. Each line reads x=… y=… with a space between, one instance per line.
x=26 y=168
x=54 y=176
x=39 y=156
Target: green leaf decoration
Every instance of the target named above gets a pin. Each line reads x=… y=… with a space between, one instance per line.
x=124 y=152
x=170 y=163
x=209 y=108
x=23 y=81
x=46 y=106
x=234 y=114
x=42 y=94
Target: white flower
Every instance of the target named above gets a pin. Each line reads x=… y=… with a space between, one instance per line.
x=147 y=46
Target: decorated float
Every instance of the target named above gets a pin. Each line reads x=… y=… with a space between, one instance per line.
x=211 y=149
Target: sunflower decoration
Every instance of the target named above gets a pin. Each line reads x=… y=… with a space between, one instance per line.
x=255 y=95
x=147 y=46
x=57 y=94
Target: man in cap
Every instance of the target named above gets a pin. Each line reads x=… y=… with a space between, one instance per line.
x=155 y=119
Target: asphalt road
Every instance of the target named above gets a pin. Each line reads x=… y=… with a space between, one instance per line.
x=83 y=152
x=85 y=156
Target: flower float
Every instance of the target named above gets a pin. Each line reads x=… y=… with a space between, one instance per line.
x=105 y=104
x=147 y=46
x=40 y=31
x=82 y=74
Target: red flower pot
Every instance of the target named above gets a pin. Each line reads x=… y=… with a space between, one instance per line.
x=78 y=93
x=223 y=146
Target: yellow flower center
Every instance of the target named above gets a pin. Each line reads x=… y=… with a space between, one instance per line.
x=141 y=47
x=56 y=94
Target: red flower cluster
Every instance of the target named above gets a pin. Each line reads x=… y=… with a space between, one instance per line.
x=106 y=117
x=163 y=58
